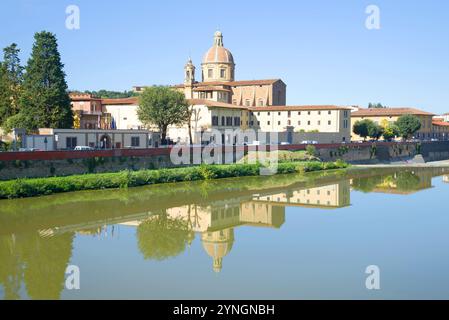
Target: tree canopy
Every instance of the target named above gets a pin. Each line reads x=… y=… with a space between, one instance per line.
x=361 y=127
x=408 y=125
x=44 y=101
x=11 y=77
x=162 y=106
x=375 y=105
x=107 y=94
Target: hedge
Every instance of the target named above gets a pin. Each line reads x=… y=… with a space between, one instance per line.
x=21 y=188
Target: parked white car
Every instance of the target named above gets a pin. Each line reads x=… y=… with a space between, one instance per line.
x=309 y=142
x=28 y=149
x=83 y=148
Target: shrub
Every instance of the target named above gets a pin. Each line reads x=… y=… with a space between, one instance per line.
x=124 y=179
x=311 y=150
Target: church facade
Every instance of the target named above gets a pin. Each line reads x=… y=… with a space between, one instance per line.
x=220 y=103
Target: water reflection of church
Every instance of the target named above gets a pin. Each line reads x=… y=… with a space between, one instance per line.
x=215 y=222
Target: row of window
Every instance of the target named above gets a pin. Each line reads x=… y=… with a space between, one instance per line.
x=289 y=113
x=72 y=142
x=210 y=73
x=289 y=123
x=226 y=121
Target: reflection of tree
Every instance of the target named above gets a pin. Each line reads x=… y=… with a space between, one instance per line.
x=366 y=184
x=400 y=181
x=40 y=262
x=46 y=260
x=11 y=270
x=161 y=237
x=407 y=181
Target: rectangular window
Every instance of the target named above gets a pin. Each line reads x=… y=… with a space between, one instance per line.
x=248 y=103
x=319 y=122
x=329 y=112
x=268 y=122
x=299 y=113
x=309 y=113
x=236 y=121
x=135 y=141
x=214 y=120
x=229 y=121
x=308 y=123
x=299 y=123
x=289 y=114
x=329 y=122
x=260 y=103
x=210 y=73
x=71 y=142
x=222 y=73
x=279 y=123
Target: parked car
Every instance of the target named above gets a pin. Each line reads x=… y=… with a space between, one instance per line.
x=83 y=148
x=309 y=142
x=28 y=149
x=285 y=143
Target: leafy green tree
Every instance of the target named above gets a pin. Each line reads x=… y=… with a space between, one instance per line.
x=375 y=131
x=11 y=77
x=107 y=94
x=45 y=102
x=408 y=125
x=391 y=131
x=162 y=106
x=361 y=128
x=375 y=105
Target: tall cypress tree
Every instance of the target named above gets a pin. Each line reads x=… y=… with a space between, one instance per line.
x=5 y=100
x=11 y=77
x=45 y=102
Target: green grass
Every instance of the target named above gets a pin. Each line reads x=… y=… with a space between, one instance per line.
x=281 y=156
x=22 y=188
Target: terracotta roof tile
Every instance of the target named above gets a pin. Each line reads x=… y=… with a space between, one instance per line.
x=373 y=112
x=299 y=108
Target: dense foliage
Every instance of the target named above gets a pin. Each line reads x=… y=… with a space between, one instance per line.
x=44 y=186
x=38 y=97
x=162 y=106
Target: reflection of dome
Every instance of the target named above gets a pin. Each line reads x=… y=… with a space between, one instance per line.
x=218 y=244
x=218 y=53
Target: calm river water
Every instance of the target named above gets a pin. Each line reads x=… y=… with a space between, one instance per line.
x=280 y=237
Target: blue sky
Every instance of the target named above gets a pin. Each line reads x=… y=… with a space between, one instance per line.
x=320 y=48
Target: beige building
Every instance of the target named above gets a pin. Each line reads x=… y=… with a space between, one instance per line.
x=105 y=139
x=385 y=116
x=220 y=103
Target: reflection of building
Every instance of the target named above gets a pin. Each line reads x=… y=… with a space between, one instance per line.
x=216 y=223
x=217 y=245
x=330 y=196
x=446 y=178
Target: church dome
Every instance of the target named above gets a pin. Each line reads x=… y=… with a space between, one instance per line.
x=217 y=245
x=218 y=53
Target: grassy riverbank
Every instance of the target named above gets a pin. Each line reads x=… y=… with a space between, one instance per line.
x=22 y=188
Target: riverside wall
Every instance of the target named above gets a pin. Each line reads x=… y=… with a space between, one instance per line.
x=39 y=164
